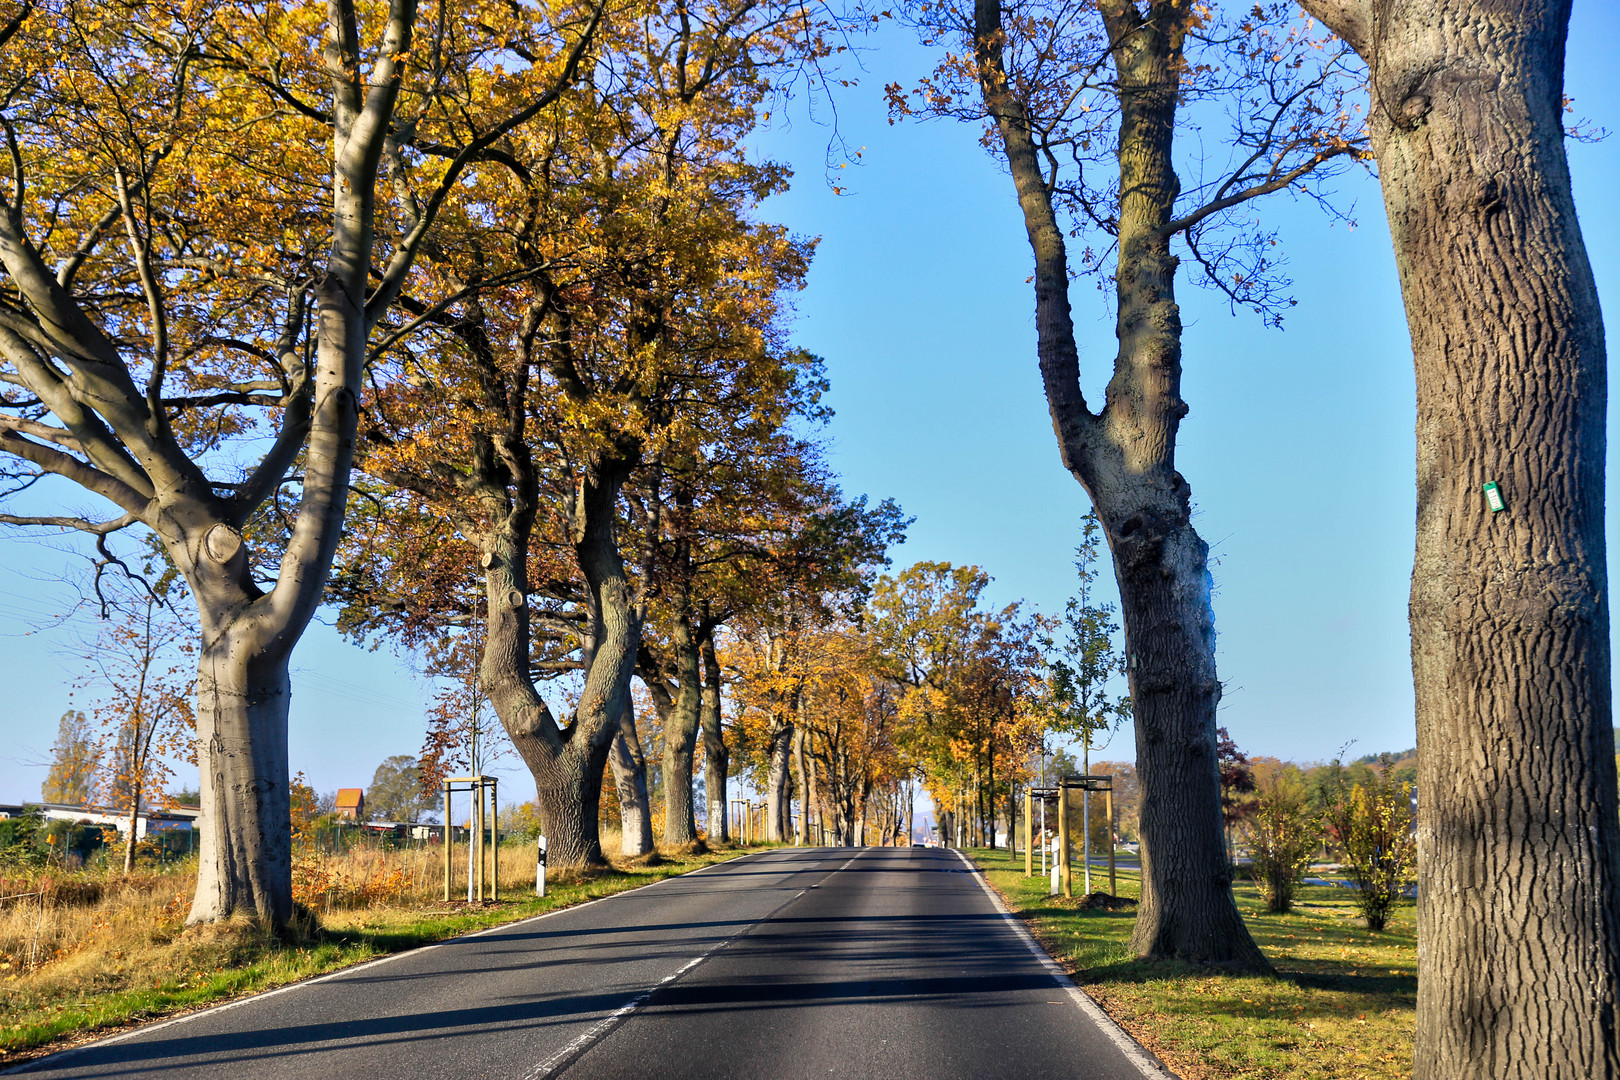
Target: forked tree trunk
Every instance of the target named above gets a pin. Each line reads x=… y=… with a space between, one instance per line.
x=569 y=802
x=629 y=767
x=244 y=849
x=779 y=791
x=1124 y=456
x=1517 y=840
x=716 y=759
x=567 y=763
x=681 y=717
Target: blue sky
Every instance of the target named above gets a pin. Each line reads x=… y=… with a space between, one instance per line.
x=1299 y=445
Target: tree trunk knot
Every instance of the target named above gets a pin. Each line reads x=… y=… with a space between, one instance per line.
x=1413 y=109
x=221 y=543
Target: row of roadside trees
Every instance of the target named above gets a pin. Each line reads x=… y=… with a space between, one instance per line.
x=466 y=308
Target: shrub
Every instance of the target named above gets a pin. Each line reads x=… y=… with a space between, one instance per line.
x=1373 y=827
x=522 y=822
x=1282 y=830
x=17 y=839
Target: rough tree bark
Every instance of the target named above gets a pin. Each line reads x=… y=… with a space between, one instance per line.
x=1519 y=936
x=629 y=766
x=778 y=785
x=716 y=759
x=674 y=677
x=1125 y=459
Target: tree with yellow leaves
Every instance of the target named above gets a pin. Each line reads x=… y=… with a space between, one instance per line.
x=602 y=311
x=967 y=673
x=209 y=207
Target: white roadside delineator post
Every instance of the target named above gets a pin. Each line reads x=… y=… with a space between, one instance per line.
x=540 y=869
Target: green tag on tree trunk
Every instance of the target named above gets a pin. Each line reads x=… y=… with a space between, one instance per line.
x=1493 y=497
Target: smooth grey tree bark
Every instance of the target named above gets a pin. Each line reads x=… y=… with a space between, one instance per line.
x=566 y=760
x=1519 y=934
x=673 y=674
x=117 y=442
x=716 y=758
x=118 y=439
x=629 y=766
x=801 y=772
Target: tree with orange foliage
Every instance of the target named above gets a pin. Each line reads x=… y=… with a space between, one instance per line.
x=822 y=691
x=603 y=288
x=755 y=526
x=966 y=673
x=815 y=574
x=849 y=713
x=209 y=207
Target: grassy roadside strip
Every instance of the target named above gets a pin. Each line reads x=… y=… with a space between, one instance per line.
x=99 y=991
x=1341 y=1006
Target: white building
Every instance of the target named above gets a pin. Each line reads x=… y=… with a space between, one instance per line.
x=180 y=818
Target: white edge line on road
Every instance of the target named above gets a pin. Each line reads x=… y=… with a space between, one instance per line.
x=146 y=1029
x=584 y=1040
x=1148 y=1065
x=588 y=1038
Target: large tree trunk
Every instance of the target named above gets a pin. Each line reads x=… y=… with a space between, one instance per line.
x=567 y=762
x=716 y=759
x=1517 y=840
x=801 y=768
x=779 y=791
x=629 y=766
x=681 y=723
x=569 y=801
x=243 y=687
x=245 y=843
x=1186 y=904
x=1125 y=459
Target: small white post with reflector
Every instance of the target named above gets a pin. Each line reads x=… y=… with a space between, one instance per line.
x=540 y=869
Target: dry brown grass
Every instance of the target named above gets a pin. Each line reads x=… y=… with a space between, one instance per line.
x=50 y=916
x=372 y=877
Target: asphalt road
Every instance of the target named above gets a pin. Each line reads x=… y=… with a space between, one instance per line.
x=820 y=962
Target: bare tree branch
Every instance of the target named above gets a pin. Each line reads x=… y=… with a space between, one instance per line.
x=393 y=278
x=59 y=436
x=1310 y=164
x=82 y=473
x=99 y=528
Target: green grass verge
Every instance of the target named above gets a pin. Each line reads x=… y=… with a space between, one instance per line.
x=98 y=991
x=1341 y=1006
